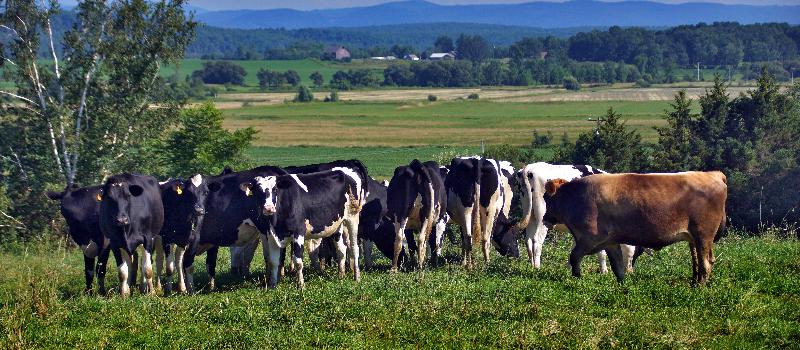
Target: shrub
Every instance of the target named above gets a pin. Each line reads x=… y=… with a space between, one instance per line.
x=572 y=84
x=220 y=72
x=304 y=94
x=432 y=98
x=642 y=83
x=541 y=140
x=473 y=97
x=333 y=97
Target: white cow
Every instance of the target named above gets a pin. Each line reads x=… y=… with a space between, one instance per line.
x=531 y=180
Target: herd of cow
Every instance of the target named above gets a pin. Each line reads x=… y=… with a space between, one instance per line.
x=334 y=208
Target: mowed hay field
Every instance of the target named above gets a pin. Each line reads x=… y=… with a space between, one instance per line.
x=752 y=301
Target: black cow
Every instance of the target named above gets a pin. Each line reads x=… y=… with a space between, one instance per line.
x=232 y=218
x=477 y=192
x=131 y=215
x=81 y=210
x=314 y=206
x=416 y=200
x=184 y=209
x=374 y=227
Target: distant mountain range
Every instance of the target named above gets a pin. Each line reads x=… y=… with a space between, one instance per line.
x=578 y=13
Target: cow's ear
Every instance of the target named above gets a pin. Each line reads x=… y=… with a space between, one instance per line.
x=136 y=190
x=247 y=188
x=55 y=195
x=283 y=182
x=98 y=196
x=553 y=185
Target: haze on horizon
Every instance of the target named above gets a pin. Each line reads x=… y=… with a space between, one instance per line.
x=216 y=5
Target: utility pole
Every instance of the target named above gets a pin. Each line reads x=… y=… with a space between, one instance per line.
x=483 y=150
x=698 y=71
x=792 y=71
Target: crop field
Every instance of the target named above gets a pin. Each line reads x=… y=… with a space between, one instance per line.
x=451 y=123
x=303 y=67
x=751 y=301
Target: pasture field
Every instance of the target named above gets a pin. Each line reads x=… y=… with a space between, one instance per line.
x=454 y=123
x=751 y=301
x=303 y=67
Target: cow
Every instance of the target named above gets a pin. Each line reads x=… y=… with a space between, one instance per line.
x=373 y=226
x=477 y=190
x=649 y=210
x=241 y=257
x=531 y=180
x=304 y=206
x=416 y=200
x=184 y=209
x=81 y=210
x=131 y=215
x=231 y=218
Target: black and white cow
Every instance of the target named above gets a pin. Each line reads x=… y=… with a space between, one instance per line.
x=131 y=215
x=81 y=210
x=416 y=201
x=531 y=180
x=374 y=227
x=184 y=209
x=477 y=192
x=232 y=218
x=310 y=206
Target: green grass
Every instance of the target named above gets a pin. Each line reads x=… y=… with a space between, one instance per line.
x=303 y=67
x=752 y=301
x=453 y=123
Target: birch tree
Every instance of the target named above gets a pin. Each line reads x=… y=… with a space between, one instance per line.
x=79 y=102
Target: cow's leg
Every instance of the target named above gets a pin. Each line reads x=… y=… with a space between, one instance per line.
x=169 y=260
x=352 y=231
x=146 y=265
x=123 y=263
x=159 y=248
x=187 y=265
x=627 y=256
x=704 y=262
x=580 y=249
x=695 y=262
x=272 y=255
x=422 y=245
x=488 y=227
x=248 y=252
x=314 y=247
x=617 y=263
x=601 y=259
x=538 y=242
x=178 y=259
x=466 y=238
x=399 y=233
x=102 y=263
x=88 y=270
x=341 y=254
x=211 y=267
x=236 y=260
x=367 y=246
x=133 y=268
x=436 y=250
x=297 y=255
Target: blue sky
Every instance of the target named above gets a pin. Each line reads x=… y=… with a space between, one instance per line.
x=318 y=4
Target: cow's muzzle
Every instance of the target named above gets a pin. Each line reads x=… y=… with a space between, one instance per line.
x=123 y=220
x=199 y=210
x=269 y=209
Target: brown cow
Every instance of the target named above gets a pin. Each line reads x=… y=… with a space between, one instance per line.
x=649 y=210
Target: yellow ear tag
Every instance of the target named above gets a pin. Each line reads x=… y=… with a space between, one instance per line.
x=249 y=192
x=98 y=197
x=179 y=190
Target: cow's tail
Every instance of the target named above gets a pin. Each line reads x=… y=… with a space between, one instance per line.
x=722 y=226
x=724 y=222
x=476 y=213
x=527 y=201
x=427 y=193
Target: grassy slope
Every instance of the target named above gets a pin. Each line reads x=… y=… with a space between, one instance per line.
x=752 y=301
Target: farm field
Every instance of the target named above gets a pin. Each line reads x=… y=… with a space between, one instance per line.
x=303 y=67
x=450 y=123
x=751 y=302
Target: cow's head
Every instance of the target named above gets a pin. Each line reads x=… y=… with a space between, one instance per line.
x=504 y=238
x=118 y=198
x=552 y=186
x=265 y=191
x=195 y=191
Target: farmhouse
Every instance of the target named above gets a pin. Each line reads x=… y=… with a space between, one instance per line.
x=336 y=52
x=442 y=56
x=411 y=57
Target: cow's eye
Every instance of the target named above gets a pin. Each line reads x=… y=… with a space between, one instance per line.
x=530 y=176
